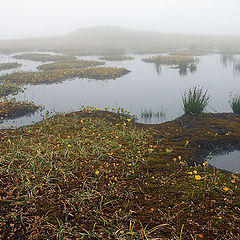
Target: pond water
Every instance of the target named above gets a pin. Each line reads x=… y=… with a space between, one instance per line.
x=228 y=161
x=147 y=88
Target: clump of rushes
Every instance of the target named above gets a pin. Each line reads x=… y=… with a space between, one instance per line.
x=6 y=66
x=171 y=60
x=195 y=100
x=45 y=57
x=70 y=65
x=12 y=108
x=58 y=75
x=116 y=58
x=6 y=89
x=234 y=101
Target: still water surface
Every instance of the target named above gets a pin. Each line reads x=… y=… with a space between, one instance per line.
x=146 y=87
x=229 y=161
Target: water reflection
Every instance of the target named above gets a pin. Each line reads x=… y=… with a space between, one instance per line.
x=192 y=68
x=158 y=67
x=236 y=68
x=229 y=161
x=226 y=59
x=147 y=115
x=183 y=69
x=139 y=90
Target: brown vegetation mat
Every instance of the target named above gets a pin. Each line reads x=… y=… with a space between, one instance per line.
x=96 y=175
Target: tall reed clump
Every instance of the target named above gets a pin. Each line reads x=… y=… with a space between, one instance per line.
x=195 y=100
x=234 y=101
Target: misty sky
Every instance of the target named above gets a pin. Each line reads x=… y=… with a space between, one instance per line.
x=30 y=18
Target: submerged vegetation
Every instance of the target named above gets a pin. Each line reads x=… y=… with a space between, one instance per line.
x=116 y=58
x=44 y=57
x=13 y=109
x=96 y=175
x=234 y=102
x=6 y=89
x=6 y=66
x=71 y=65
x=195 y=101
x=58 y=75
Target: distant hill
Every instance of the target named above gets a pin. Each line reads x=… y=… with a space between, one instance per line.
x=105 y=37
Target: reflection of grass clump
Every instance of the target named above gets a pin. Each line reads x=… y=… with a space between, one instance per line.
x=230 y=51
x=6 y=66
x=12 y=108
x=170 y=60
x=116 y=58
x=149 y=114
x=59 y=75
x=44 y=57
x=195 y=101
x=6 y=89
x=234 y=102
x=70 y=65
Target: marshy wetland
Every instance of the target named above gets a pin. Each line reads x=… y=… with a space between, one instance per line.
x=104 y=150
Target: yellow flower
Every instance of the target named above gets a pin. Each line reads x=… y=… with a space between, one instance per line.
x=195 y=171
x=225 y=189
x=198 y=177
x=97 y=172
x=191 y=173
x=129 y=119
x=179 y=157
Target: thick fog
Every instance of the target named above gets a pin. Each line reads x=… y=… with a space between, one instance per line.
x=31 y=18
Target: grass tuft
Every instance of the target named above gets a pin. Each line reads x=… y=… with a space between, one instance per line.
x=234 y=101
x=195 y=100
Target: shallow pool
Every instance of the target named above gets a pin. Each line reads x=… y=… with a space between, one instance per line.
x=146 y=88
